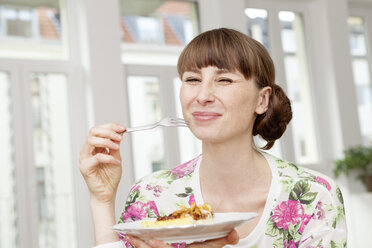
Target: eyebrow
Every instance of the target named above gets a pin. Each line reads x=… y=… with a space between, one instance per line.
x=219 y=71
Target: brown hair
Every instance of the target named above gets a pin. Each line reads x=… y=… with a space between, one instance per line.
x=232 y=50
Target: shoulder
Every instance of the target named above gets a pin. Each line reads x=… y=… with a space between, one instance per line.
x=306 y=202
x=306 y=184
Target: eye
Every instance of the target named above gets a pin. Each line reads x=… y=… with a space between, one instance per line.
x=192 y=80
x=225 y=80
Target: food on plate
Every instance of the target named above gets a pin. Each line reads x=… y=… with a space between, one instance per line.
x=183 y=216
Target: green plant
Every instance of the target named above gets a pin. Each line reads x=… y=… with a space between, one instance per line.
x=358 y=159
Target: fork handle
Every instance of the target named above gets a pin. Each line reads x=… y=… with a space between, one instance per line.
x=134 y=129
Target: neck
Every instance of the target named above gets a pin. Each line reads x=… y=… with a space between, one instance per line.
x=233 y=164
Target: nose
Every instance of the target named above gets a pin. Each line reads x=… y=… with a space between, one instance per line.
x=206 y=93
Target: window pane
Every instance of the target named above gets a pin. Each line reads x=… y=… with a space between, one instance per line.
x=8 y=204
x=29 y=30
x=357 y=36
x=158 y=22
x=297 y=76
x=362 y=76
x=52 y=158
x=257 y=25
x=190 y=146
x=144 y=104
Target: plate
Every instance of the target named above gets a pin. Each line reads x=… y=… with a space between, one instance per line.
x=222 y=225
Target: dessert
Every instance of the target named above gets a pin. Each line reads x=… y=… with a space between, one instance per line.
x=183 y=216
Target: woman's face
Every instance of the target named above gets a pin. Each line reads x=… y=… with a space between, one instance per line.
x=220 y=104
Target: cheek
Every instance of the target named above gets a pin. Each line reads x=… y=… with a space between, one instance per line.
x=186 y=96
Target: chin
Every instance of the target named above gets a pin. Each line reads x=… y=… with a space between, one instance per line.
x=206 y=135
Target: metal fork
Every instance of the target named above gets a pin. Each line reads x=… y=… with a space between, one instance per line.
x=165 y=122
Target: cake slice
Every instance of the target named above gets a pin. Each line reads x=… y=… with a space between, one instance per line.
x=183 y=216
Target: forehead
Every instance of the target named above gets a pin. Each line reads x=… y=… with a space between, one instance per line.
x=212 y=69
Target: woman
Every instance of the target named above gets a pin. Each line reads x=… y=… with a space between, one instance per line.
x=228 y=95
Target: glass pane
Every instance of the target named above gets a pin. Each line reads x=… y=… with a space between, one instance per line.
x=190 y=146
x=29 y=29
x=8 y=203
x=257 y=25
x=52 y=158
x=357 y=37
x=362 y=76
x=144 y=106
x=158 y=22
x=298 y=87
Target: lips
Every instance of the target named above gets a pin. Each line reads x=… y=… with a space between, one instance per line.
x=205 y=116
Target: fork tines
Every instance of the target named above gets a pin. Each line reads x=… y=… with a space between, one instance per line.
x=178 y=122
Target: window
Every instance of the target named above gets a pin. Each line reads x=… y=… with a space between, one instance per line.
x=189 y=145
x=257 y=25
x=362 y=75
x=258 y=29
x=8 y=188
x=145 y=108
x=298 y=87
x=170 y=23
x=52 y=159
x=29 y=31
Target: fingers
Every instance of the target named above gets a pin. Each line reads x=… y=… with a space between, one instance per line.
x=90 y=163
x=158 y=244
x=231 y=239
x=94 y=141
x=139 y=243
x=109 y=131
x=103 y=136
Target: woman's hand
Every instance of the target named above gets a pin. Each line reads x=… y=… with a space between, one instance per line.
x=100 y=162
x=231 y=239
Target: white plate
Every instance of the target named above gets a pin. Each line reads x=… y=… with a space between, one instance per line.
x=223 y=224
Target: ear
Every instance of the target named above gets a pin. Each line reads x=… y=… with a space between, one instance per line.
x=263 y=100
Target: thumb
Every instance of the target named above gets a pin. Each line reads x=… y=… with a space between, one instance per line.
x=232 y=238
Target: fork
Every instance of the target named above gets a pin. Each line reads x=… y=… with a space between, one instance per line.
x=165 y=122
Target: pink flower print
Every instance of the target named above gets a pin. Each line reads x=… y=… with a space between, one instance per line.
x=157 y=190
x=135 y=211
x=148 y=187
x=289 y=244
x=324 y=182
x=305 y=220
x=287 y=213
x=135 y=188
x=320 y=213
x=191 y=200
x=152 y=206
x=185 y=169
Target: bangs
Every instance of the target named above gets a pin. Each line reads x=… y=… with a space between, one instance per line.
x=225 y=50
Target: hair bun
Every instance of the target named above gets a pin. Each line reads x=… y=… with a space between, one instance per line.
x=272 y=124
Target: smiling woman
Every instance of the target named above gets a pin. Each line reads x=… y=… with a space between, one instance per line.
x=228 y=95
x=234 y=60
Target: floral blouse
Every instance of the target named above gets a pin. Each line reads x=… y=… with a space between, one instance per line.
x=304 y=208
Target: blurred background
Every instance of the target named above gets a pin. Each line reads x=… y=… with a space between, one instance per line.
x=67 y=65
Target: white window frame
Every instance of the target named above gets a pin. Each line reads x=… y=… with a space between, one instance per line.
x=275 y=41
x=20 y=78
x=165 y=74
x=364 y=11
